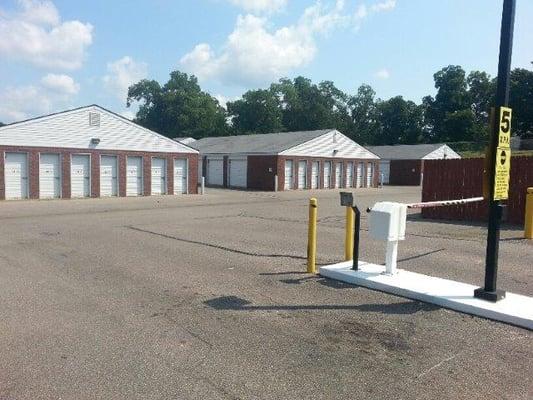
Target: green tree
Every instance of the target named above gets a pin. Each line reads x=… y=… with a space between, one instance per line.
x=337 y=103
x=258 y=111
x=2 y=124
x=458 y=112
x=362 y=109
x=481 y=91
x=449 y=116
x=292 y=105
x=179 y=108
x=303 y=105
x=521 y=101
x=400 y=121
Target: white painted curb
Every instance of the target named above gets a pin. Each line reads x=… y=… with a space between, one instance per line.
x=515 y=309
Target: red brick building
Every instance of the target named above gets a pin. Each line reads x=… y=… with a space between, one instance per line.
x=91 y=152
x=285 y=161
x=403 y=164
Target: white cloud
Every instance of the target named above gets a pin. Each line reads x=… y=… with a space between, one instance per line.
x=122 y=74
x=386 y=5
x=36 y=35
x=382 y=74
x=223 y=100
x=54 y=93
x=39 y=12
x=321 y=19
x=63 y=84
x=361 y=12
x=254 y=54
x=17 y=103
x=260 y=6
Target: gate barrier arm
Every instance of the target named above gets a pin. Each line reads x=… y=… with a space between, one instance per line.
x=440 y=203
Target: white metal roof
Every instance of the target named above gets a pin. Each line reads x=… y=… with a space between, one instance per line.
x=443 y=152
x=71 y=129
x=319 y=143
x=330 y=144
x=414 y=151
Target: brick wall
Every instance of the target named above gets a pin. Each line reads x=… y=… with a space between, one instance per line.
x=65 y=157
x=170 y=175
x=376 y=174
x=95 y=175
x=406 y=172
x=261 y=172
x=33 y=174
x=65 y=175
x=334 y=162
x=193 y=172
x=262 y=169
x=122 y=163
x=147 y=175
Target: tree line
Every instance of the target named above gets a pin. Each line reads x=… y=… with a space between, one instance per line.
x=458 y=112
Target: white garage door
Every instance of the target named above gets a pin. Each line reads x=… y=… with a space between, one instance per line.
x=180 y=176
x=16 y=175
x=108 y=176
x=315 y=168
x=159 y=176
x=359 y=177
x=327 y=175
x=338 y=175
x=349 y=175
x=134 y=176
x=238 y=172
x=215 y=171
x=288 y=174
x=302 y=174
x=80 y=176
x=384 y=168
x=369 y=174
x=49 y=176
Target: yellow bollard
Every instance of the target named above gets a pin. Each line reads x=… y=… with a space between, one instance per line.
x=528 y=225
x=348 y=238
x=311 y=237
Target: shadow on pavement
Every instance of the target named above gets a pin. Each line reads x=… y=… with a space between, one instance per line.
x=235 y=303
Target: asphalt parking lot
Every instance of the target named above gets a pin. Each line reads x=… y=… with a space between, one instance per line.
x=205 y=297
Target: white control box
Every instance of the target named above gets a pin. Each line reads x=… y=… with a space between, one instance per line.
x=387 y=221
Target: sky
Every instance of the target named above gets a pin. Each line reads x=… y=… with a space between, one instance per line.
x=61 y=54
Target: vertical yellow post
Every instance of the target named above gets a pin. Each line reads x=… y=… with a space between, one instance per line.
x=311 y=237
x=348 y=238
x=528 y=225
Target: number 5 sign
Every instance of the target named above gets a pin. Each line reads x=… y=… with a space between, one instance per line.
x=504 y=134
x=502 y=168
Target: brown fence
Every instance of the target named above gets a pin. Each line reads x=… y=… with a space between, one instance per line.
x=458 y=179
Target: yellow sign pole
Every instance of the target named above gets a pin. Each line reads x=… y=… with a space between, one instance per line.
x=348 y=237
x=528 y=225
x=311 y=237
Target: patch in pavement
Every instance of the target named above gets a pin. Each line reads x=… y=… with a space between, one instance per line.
x=367 y=336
